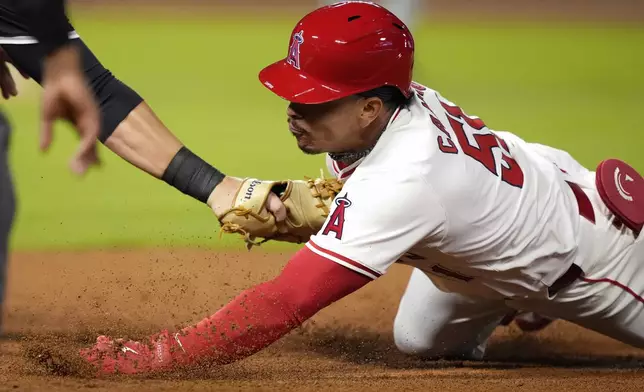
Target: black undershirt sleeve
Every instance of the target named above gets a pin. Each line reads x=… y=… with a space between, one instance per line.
x=46 y=21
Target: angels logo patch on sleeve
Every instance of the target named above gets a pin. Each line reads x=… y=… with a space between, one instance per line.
x=294 y=51
x=371 y=226
x=335 y=223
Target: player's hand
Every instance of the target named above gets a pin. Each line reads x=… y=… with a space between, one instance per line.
x=285 y=211
x=276 y=207
x=7 y=83
x=66 y=95
x=226 y=191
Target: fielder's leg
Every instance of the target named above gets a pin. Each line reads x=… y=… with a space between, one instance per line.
x=6 y=207
x=434 y=324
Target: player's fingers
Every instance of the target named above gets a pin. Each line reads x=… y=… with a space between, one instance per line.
x=81 y=162
x=83 y=159
x=46 y=126
x=11 y=84
x=275 y=206
x=7 y=85
x=88 y=126
x=3 y=88
x=13 y=90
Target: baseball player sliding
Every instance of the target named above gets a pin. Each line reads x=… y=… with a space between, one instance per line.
x=490 y=222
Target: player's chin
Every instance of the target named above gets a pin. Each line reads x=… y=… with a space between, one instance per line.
x=308 y=148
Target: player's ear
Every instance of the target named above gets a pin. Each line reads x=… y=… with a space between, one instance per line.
x=372 y=107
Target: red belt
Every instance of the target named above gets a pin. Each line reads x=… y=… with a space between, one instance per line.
x=585 y=210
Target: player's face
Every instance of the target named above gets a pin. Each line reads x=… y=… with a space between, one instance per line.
x=335 y=126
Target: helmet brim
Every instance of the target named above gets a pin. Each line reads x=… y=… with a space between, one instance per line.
x=296 y=86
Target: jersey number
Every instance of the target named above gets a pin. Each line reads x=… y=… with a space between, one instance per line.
x=484 y=142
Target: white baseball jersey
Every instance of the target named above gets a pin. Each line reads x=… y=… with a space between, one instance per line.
x=443 y=193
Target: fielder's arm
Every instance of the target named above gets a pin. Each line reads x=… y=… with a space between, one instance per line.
x=128 y=126
x=144 y=141
x=131 y=129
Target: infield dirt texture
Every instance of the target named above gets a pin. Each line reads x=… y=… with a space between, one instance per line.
x=123 y=254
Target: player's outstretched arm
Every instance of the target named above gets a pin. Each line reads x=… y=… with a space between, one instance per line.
x=128 y=126
x=143 y=140
x=131 y=129
x=252 y=321
x=368 y=230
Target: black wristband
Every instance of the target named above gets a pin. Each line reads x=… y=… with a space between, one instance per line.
x=192 y=175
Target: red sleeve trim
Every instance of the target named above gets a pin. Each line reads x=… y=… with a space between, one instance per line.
x=342 y=260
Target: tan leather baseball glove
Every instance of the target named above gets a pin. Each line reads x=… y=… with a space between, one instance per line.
x=307 y=207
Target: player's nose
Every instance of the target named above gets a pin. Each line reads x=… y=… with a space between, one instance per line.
x=292 y=114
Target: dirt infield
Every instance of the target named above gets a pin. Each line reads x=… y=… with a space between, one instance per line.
x=75 y=296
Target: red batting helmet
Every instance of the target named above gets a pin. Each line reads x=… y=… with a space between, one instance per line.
x=341 y=50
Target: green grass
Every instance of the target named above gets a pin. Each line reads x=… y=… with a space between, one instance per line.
x=576 y=87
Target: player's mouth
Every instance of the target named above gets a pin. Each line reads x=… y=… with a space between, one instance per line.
x=295 y=130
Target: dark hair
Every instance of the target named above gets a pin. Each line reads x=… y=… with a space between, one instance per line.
x=389 y=95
